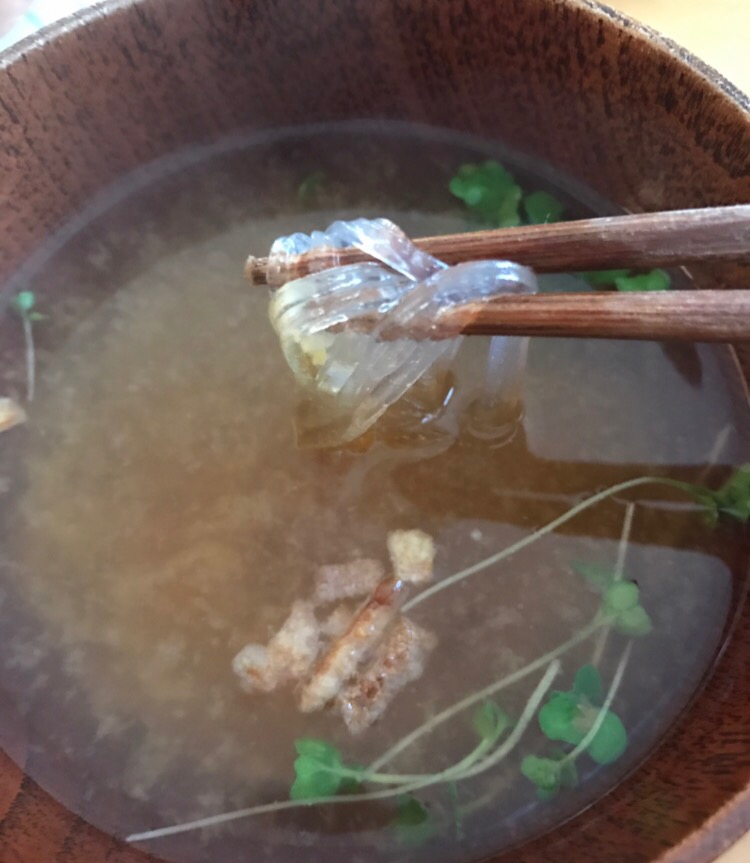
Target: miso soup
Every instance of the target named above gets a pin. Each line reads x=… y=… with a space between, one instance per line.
x=159 y=515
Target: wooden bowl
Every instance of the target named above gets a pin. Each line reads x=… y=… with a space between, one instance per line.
x=615 y=105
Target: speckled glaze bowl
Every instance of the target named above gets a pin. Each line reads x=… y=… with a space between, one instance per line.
x=592 y=93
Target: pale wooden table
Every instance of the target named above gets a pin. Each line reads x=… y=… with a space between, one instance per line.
x=717 y=31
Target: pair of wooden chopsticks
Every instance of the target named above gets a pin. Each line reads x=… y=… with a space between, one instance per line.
x=620 y=242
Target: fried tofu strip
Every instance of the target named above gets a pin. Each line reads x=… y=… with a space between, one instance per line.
x=290 y=654
x=399 y=660
x=354 y=647
x=412 y=555
x=348 y=580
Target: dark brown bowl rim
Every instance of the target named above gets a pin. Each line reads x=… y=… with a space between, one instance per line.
x=731 y=822
x=38 y=39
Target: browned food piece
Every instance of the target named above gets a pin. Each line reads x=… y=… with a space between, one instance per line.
x=255 y=670
x=338 y=621
x=412 y=554
x=347 y=580
x=295 y=646
x=355 y=646
x=11 y=414
x=289 y=656
x=399 y=660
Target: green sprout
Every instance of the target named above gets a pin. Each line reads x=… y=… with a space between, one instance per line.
x=568 y=717
x=490 y=722
x=620 y=599
x=412 y=823
x=604 y=277
x=731 y=500
x=549 y=774
x=583 y=718
x=578 y=717
x=629 y=281
x=495 y=199
x=542 y=208
x=588 y=684
x=24 y=305
x=320 y=771
x=490 y=192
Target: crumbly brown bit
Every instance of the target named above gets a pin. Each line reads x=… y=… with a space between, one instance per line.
x=295 y=646
x=354 y=647
x=11 y=414
x=255 y=670
x=289 y=656
x=338 y=621
x=399 y=660
x=347 y=580
x=391 y=649
x=412 y=554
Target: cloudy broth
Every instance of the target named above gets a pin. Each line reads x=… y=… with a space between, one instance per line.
x=158 y=515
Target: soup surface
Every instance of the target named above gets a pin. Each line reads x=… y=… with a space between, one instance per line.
x=158 y=516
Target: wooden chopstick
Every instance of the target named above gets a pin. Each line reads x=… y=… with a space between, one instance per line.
x=643 y=240
x=696 y=316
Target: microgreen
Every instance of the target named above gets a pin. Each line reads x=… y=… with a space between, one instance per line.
x=634 y=622
x=610 y=741
x=319 y=770
x=604 y=277
x=24 y=304
x=541 y=208
x=493 y=197
x=412 y=823
x=557 y=718
x=588 y=684
x=568 y=717
x=627 y=280
x=308 y=189
x=731 y=500
x=490 y=192
x=620 y=596
x=654 y=280
x=490 y=721
x=620 y=599
x=549 y=774
x=578 y=714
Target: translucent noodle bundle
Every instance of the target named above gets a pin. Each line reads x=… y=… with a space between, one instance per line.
x=352 y=374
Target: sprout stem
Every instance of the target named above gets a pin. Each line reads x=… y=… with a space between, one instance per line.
x=543 y=531
x=475 y=762
x=433 y=779
x=622 y=551
x=529 y=711
x=28 y=336
x=594 y=730
x=488 y=691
